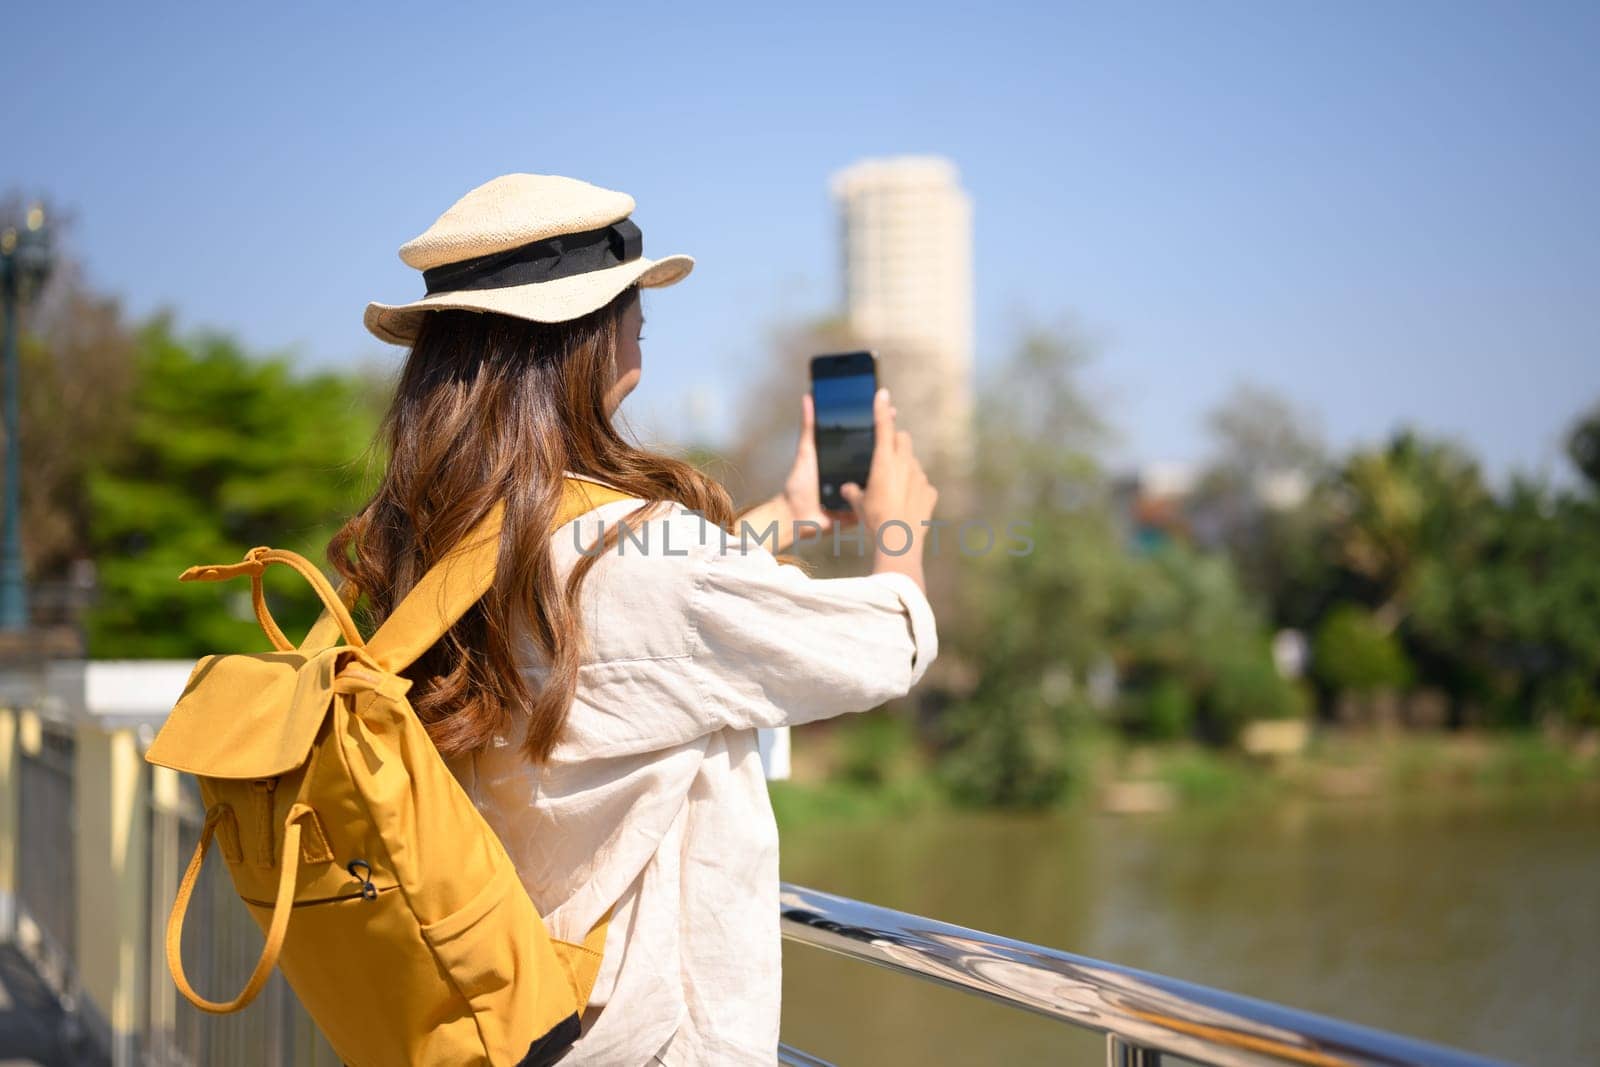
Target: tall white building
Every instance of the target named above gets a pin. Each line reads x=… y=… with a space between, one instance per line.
x=907 y=237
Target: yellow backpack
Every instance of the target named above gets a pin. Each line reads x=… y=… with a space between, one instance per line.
x=391 y=907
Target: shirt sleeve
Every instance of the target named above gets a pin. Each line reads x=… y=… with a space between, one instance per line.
x=774 y=646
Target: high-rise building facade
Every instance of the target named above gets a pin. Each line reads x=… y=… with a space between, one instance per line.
x=907 y=246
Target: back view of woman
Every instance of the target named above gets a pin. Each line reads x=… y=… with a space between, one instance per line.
x=600 y=704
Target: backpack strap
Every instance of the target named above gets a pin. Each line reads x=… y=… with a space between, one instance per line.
x=255 y=564
x=459 y=580
x=282 y=904
x=325 y=631
x=583 y=959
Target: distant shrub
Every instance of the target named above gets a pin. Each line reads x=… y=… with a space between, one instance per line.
x=1163 y=712
x=872 y=746
x=1007 y=749
x=1353 y=653
x=1246 y=686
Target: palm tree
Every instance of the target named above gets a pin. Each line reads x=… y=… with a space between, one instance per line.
x=1405 y=517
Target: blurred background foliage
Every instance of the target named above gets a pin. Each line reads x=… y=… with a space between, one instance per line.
x=221 y=452
x=1419 y=595
x=146 y=451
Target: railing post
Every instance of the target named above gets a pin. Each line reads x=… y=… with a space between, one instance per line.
x=159 y=1028
x=113 y=878
x=1119 y=1053
x=8 y=824
x=29 y=742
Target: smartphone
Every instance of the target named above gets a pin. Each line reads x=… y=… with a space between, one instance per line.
x=842 y=387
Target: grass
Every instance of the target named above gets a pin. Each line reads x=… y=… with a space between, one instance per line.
x=802 y=803
x=1338 y=767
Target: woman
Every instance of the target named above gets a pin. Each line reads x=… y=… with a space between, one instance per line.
x=601 y=703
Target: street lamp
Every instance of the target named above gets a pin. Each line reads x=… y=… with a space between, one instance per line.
x=24 y=266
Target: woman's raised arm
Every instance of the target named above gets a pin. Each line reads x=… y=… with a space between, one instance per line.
x=773 y=646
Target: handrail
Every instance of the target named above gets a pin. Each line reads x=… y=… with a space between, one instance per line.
x=789 y=1056
x=1140 y=1010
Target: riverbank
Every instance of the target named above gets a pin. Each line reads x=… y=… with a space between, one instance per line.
x=1111 y=775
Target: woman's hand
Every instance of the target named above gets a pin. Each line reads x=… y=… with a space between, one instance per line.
x=800 y=502
x=897 y=490
x=801 y=498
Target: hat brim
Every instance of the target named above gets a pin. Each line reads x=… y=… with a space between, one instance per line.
x=557 y=301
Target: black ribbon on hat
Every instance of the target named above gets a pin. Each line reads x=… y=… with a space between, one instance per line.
x=561 y=256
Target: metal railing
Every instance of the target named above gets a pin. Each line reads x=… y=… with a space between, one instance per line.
x=218 y=955
x=46 y=864
x=48 y=835
x=1143 y=1015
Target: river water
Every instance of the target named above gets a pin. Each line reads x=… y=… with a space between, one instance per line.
x=1471 y=922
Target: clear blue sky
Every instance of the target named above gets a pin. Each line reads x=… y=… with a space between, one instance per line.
x=1385 y=210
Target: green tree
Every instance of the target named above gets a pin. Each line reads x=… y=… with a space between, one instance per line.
x=1255 y=499
x=1583 y=447
x=1029 y=626
x=1490 y=600
x=1033 y=631
x=1186 y=622
x=1525 y=616
x=1354 y=653
x=1404 y=521
x=76 y=384
x=224 y=452
x=1259 y=433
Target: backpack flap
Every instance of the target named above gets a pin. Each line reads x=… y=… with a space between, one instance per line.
x=250 y=716
x=256 y=716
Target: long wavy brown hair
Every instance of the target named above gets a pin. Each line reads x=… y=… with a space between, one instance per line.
x=491 y=408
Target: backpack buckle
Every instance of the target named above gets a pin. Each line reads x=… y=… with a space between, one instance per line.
x=368 y=890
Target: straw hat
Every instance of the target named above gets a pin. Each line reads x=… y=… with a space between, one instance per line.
x=533 y=246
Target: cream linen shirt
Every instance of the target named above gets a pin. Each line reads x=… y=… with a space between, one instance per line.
x=655 y=800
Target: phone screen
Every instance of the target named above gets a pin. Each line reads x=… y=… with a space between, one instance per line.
x=842 y=387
